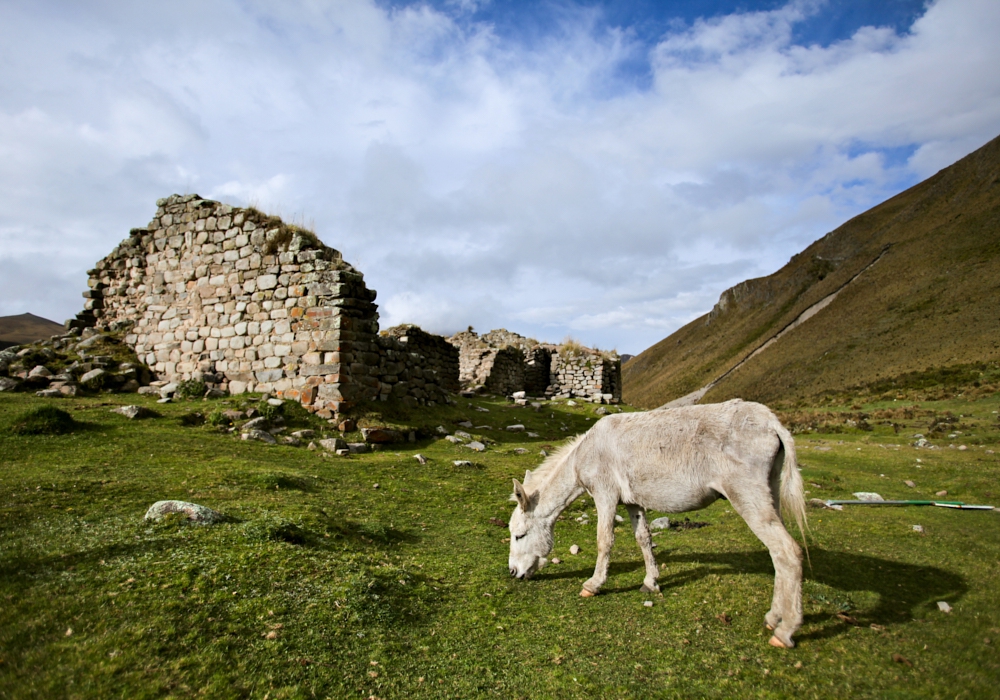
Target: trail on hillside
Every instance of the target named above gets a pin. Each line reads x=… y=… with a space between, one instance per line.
x=696 y=396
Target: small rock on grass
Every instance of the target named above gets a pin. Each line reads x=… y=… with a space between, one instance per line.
x=575 y=549
x=660 y=524
x=476 y=446
x=462 y=463
x=910 y=484
x=304 y=434
x=134 y=412
x=194 y=512
x=556 y=560
x=517 y=428
x=943 y=606
x=420 y=458
x=260 y=435
x=291 y=440
x=648 y=603
x=941 y=493
x=918 y=528
x=520 y=451
x=619 y=519
x=332 y=444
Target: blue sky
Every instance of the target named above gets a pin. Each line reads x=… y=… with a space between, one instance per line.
x=600 y=170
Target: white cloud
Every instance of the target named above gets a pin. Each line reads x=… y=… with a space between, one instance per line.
x=472 y=179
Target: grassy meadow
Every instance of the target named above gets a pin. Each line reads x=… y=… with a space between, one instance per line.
x=323 y=585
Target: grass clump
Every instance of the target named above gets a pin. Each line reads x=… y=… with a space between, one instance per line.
x=191 y=389
x=44 y=420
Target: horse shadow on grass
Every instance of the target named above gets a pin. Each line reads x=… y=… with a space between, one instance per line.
x=903 y=590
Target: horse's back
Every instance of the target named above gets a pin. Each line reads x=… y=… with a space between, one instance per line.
x=675 y=460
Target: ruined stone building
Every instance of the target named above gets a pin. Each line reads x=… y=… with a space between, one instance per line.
x=246 y=302
x=504 y=362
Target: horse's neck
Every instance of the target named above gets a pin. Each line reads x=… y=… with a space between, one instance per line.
x=559 y=490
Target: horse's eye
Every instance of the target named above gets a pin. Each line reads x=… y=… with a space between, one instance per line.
x=517 y=537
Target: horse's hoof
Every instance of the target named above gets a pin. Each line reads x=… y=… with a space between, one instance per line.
x=769 y=627
x=586 y=594
x=647 y=589
x=775 y=642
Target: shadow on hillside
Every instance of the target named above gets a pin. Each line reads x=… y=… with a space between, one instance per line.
x=902 y=589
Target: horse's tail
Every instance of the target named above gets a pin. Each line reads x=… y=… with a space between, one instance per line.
x=792 y=491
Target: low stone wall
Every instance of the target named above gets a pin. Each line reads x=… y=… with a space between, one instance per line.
x=588 y=375
x=415 y=366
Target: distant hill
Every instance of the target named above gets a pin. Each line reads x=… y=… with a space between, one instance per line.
x=911 y=284
x=26 y=328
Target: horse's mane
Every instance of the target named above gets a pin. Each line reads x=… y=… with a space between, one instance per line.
x=553 y=460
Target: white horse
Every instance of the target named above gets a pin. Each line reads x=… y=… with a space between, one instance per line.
x=672 y=460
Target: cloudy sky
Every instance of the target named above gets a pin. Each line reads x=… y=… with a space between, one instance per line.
x=596 y=169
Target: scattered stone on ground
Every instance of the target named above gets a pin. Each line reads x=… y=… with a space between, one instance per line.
x=532 y=435
x=477 y=446
x=259 y=423
x=619 y=519
x=194 y=512
x=133 y=412
x=332 y=444
x=517 y=428
x=347 y=426
x=660 y=524
x=648 y=603
x=556 y=560
x=312 y=446
x=357 y=448
x=420 y=458
x=462 y=463
x=910 y=484
x=260 y=435
x=465 y=424
x=291 y=440
x=304 y=434
x=440 y=430
x=520 y=451
x=941 y=493
x=343 y=453
x=575 y=549
x=382 y=436
x=943 y=606
x=462 y=434
x=868 y=496
x=571 y=402
x=918 y=528
x=275 y=402
x=453 y=439
x=601 y=411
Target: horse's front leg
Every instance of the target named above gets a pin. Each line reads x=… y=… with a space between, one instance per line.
x=637 y=514
x=605 y=541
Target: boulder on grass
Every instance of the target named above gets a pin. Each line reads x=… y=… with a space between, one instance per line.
x=382 y=436
x=134 y=412
x=192 y=511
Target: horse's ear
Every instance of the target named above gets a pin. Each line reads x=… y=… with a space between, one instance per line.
x=521 y=495
x=527 y=473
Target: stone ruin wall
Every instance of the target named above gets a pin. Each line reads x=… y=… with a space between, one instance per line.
x=504 y=362
x=244 y=302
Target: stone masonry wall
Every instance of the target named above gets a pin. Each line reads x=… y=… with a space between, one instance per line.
x=586 y=374
x=504 y=362
x=415 y=366
x=246 y=302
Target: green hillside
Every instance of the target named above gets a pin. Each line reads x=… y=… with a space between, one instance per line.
x=930 y=301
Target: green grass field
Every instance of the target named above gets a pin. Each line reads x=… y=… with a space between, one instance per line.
x=322 y=585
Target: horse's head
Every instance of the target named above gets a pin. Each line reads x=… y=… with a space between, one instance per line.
x=530 y=535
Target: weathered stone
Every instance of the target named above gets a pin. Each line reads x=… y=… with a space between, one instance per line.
x=357 y=448
x=49 y=394
x=304 y=434
x=454 y=439
x=40 y=371
x=94 y=379
x=462 y=463
x=8 y=384
x=420 y=458
x=476 y=446
x=382 y=436
x=133 y=412
x=332 y=444
x=258 y=423
x=518 y=428
x=660 y=524
x=192 y=511
x=260 y=435
x=291 y=440
x=346 y=426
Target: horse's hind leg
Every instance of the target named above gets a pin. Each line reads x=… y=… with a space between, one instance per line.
x=757 y=509
x=637 y=514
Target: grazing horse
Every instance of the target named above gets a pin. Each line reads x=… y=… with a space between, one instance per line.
x=672 y=460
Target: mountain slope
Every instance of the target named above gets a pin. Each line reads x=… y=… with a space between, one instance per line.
x=931 y=297
x=26 y=328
